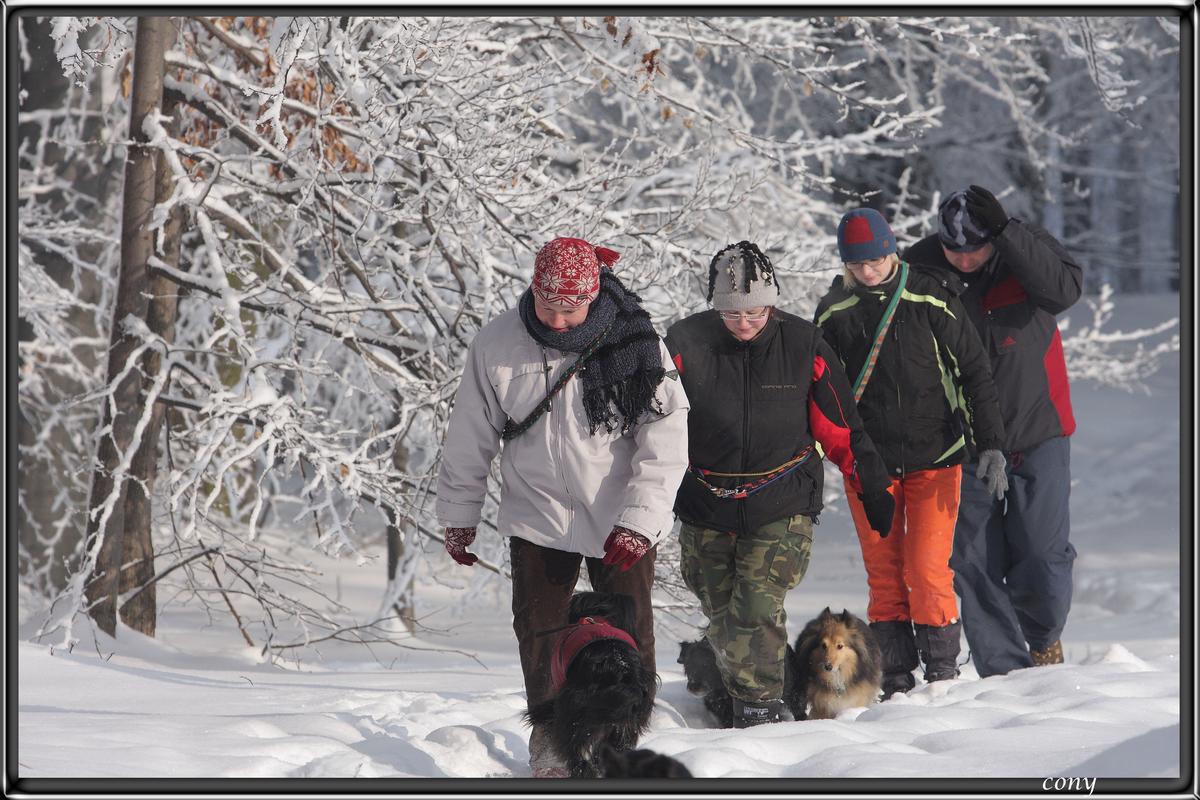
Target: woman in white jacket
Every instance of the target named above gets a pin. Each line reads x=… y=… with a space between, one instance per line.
x=577 y=393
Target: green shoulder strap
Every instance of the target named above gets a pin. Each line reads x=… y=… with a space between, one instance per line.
x=868 y=366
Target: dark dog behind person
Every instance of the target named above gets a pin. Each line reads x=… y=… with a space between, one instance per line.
x=572 y=390
x=602 y=693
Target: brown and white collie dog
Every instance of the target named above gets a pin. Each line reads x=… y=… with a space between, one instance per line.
x=837 y=660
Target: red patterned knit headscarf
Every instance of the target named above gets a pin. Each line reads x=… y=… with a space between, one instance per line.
x=566 y=272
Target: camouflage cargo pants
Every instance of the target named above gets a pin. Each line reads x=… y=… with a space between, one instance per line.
x=741 y=582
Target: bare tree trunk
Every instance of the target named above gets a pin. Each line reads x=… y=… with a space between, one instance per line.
x=1053 y=212
x=1104 y=207
x=395 y=550
x=138 y=552
x=1157 y=223
x=40 y=482
x=121 y=413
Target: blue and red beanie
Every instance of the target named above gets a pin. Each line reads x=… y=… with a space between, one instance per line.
x=864 y=235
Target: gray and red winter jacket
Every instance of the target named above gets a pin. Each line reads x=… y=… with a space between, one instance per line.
x=1012 y=300
x=756 y=405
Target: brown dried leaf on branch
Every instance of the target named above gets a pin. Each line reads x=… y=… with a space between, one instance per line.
x=651 y=65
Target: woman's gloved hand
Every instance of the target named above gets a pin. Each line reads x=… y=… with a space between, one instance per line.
x=624 y=547
x=457 y=540
x=880 y=507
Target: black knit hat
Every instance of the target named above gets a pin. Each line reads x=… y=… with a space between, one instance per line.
x=957 y=231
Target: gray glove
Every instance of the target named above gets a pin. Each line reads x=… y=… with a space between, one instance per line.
x=991 y=469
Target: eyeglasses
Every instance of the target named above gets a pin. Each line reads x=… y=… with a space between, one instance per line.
x=748 y=316
x=875 y=263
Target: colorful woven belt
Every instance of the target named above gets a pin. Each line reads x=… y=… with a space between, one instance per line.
x=763 y=479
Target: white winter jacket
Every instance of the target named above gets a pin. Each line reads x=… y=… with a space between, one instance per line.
x=561 y=487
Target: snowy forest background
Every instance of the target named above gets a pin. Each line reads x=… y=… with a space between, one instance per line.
x=237 y=350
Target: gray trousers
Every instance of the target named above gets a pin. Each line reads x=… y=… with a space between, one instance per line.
x=1012 y=559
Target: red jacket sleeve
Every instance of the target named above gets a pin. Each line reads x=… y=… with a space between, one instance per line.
x=834 y=422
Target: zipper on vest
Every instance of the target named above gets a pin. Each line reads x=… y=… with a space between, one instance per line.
x=745 y=431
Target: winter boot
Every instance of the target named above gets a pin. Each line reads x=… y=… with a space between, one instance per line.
x=899 y=655
x=939 y=647
x=748 y=714
x=1053 y=654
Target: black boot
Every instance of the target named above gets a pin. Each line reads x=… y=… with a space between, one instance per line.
x=939 y=650
x=748 y=714
x=898 y=649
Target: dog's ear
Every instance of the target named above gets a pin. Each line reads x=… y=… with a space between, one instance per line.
x=828 y=612
x=847 y=617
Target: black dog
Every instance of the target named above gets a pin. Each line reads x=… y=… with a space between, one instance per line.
x=603 y=692
x=640 y=764
x=704 y=680
x=795 y=686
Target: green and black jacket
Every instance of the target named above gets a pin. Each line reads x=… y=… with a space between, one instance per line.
x=930 y=401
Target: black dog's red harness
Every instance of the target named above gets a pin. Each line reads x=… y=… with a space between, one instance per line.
x=574 y=638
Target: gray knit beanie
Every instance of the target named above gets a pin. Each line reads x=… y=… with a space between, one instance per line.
x=730 y=288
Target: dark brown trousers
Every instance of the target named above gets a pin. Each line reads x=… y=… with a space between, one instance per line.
x=543 y=581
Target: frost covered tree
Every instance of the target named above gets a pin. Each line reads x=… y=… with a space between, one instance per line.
x=355 y=197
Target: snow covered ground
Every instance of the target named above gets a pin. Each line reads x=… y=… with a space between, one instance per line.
x=196 y=702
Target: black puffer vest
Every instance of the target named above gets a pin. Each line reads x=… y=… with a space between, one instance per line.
x=749 y=414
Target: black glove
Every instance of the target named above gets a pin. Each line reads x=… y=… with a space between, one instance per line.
x=879 y=507
x=986 y=210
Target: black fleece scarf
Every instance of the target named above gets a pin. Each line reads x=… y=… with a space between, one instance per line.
x=621 y=377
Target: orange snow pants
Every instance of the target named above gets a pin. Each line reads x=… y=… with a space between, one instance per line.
x=908 y=573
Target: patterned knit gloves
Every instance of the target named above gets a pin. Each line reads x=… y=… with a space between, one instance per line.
x=991 y=471
x=457 y=540
x=624 y=547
